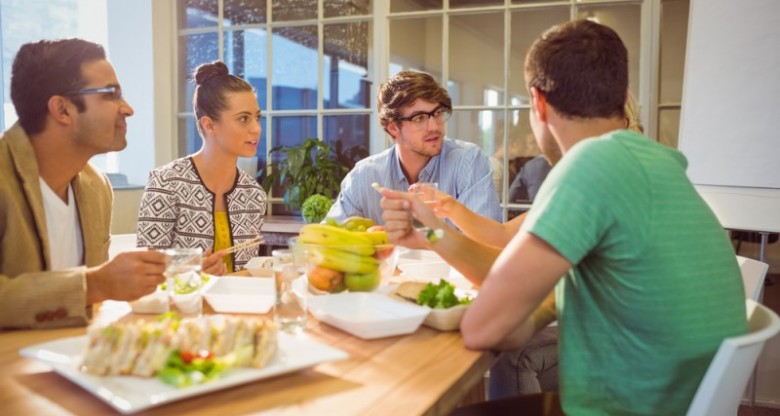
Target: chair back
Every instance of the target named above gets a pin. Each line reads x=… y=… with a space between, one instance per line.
x=753 y=274
x=724 y=382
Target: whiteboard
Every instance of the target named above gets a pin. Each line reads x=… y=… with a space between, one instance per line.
x=730 y=117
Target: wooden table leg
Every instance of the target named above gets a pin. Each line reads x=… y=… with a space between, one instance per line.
x=476 y=394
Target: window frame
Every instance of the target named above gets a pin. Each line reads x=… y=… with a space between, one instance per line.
x=380 y=17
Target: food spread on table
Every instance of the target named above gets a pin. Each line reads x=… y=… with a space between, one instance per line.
x=180 y=352
x=439 y=295
x=345 y=255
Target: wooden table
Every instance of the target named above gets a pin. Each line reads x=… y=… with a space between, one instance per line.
x=424 y=373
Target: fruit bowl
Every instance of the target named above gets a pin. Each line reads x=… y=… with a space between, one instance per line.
x=334 y=268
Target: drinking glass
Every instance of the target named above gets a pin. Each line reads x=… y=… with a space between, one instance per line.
x=427 y=192
x=290 y=305
x=183 y=281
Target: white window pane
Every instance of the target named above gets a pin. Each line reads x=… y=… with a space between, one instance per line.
x=477 y=57
x=345 y=73
x=485 y=129
x=527 y=25
x=674 y=32
x=348 y=136
x=294 y=64
x=414 y=5
x=625 y=20
x=242 y=12
x=669 y=126
x=196 y=49
x=286 y=10
x=417 y=44
x=335 y=8
x=197 y=13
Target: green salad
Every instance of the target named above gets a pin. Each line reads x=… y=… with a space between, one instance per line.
x=185 y=368
x=440 y=296
x=182 y=287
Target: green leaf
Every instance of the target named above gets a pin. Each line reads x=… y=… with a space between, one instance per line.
x=440 y=296
x=309 y=168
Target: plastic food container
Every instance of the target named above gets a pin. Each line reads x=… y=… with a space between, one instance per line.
x=241 y=295
x=368 y=315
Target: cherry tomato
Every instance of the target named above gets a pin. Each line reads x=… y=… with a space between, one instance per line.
x=187 y=356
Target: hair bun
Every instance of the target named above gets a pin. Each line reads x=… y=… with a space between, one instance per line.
x=205 y=72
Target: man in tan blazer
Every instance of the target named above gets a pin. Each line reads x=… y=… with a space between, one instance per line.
x=55 y=208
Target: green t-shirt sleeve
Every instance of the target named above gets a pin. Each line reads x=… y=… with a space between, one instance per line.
x=592 y=191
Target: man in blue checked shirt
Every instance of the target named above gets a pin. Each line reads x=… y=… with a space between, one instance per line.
x=414 y=109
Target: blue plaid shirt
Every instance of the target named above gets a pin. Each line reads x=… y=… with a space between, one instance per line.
x=461 y=170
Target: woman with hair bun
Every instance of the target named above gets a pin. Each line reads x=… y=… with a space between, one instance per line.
x=203 y=200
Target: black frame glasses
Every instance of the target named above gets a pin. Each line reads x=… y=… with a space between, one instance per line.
x=440 y=114
x=113 y=91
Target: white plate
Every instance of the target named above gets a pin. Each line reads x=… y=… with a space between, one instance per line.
x=241 y=294
x=367 y=315
x=132 y=394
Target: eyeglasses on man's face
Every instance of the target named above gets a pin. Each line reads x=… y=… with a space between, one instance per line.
x=113 y=92
x=420 y=120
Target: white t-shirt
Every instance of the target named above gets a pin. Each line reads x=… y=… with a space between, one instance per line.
x=64 y=229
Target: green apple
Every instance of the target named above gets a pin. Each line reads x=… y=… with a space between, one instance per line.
x=357 y=282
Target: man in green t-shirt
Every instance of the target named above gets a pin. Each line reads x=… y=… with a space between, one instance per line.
x=650 y=282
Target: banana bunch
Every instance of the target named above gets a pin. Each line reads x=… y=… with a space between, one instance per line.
x=337 y=259
x=330 y=236
x=353 y=223
x=343 y=257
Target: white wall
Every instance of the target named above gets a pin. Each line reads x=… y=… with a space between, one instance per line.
x=148 y=76
x=130 y=51
x=731 y=94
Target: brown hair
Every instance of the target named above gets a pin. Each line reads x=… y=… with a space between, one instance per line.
x=47 y=68
x=212 y=82
x=403 y=89
x=581 y=67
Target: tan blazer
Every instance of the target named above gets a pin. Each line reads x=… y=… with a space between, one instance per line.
x=31 y=296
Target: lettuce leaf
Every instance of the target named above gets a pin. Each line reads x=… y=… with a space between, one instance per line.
x=440 y=296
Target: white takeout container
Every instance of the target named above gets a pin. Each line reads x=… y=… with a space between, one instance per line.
x=260 y=266
x=367 y=315
x=446 y=319
x=241 y=295
x=406 y=255
x=157 y=301
x=153 y=303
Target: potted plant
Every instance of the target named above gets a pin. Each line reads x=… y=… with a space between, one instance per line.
x=310 y=168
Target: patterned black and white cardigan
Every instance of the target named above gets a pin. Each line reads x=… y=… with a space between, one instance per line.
x=177 y=210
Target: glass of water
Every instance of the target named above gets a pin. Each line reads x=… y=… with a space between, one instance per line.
x=290 y=306
x=427 y=192
x=183 y=281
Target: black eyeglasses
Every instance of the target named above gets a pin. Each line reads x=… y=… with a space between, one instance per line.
x=441 y=114
x=113 y=92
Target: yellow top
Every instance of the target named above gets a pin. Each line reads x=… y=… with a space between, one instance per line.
x=222 y=237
